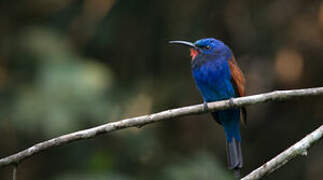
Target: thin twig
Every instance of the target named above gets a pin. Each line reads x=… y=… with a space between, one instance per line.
x=147 y=119
x=299 y=148
x=14 y=171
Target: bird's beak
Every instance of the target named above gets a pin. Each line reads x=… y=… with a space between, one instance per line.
x=185 y=43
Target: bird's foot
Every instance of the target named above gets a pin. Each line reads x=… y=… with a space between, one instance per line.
x=205 y=107
x=231 y=102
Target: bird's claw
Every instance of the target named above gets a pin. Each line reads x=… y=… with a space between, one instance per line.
x=205 y=107
x=231 y=102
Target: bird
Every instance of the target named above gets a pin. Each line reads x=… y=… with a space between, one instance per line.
x=218 y=77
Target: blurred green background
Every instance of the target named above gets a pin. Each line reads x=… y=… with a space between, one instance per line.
x=67 y=65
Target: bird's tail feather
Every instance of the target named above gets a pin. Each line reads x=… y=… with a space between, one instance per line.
x=234 y=156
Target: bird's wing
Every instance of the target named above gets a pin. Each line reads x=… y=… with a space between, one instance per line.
x=238 y=82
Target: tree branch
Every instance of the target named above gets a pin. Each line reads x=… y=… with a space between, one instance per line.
x=151 y=118
x=14 y=172
x=300 y=148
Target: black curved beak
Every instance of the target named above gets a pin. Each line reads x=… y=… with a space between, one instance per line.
x=185 y=43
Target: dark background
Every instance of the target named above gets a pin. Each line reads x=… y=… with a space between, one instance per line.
x=70 y=65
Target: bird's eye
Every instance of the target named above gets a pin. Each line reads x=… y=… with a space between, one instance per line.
x=207 y=47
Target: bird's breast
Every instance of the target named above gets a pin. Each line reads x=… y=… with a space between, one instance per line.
x=212 y=72
x=213 y=79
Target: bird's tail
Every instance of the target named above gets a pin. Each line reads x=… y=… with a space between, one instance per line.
x=229 y=119
x=234 y=156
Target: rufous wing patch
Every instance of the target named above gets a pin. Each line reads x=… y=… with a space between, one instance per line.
x=237 y=76
x=239 y=82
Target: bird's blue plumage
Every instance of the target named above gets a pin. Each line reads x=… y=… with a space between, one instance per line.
x=213 y=78
x=218 y=77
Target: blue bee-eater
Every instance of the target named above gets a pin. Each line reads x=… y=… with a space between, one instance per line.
x=218 y=77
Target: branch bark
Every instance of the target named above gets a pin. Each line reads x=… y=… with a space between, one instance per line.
x=151 y=118
x=299 y=148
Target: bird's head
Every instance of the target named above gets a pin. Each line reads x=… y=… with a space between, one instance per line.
x=207 y=46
